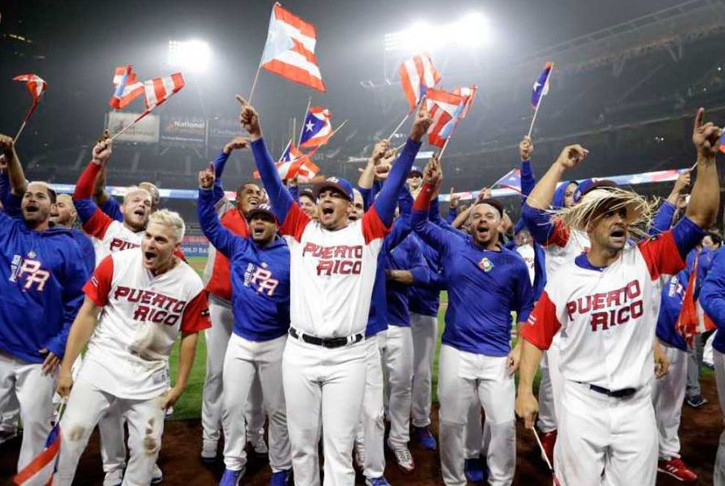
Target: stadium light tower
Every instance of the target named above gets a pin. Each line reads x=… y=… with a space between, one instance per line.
x=470 y=31
x=191 y=55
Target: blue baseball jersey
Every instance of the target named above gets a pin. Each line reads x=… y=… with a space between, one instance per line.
x=86 y=247
x=260 y=277
x=42 y=274
x=405 y=256
x=424 y=299
x=484 y=286
x=712 y=298
x=112 y=209
x=672 y=296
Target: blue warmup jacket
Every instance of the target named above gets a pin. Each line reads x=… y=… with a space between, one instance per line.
x=41 y=288
x=406 y=256
x=260 y=277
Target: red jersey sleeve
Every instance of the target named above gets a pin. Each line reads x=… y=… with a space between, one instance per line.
x=543 y=324
x=295 y=222
x=559 y=236
x=196 y=314
x=98 y=287
x=372 y=226
x=661 y=255
x=98 y=224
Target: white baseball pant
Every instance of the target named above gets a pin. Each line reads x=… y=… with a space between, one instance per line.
x=327 y=385
x=244 y=361
x=546 y=421
x=465 y=377
x=86 y=405
x=601 y=433
x=718 y=476
x=371 y=430
x=668 y=393
x=33 y=390
x=397 y=355
x=10 y=416
x=217 y=338
x=425 y=336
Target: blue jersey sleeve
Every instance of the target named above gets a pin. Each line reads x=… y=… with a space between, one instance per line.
x=219 y=163
x=220 y=237
x=528 y=181
x=712 y=294
x=387 y=199
x=418 y=268
x=367 y=195
x=294 y=191
x=539 y=223
x=452 y=215
x=523 y=302
x=112 y=209
x=85 y=208
x=279 y=196
x=437 y=238
x=687 y=235
x=663 y=219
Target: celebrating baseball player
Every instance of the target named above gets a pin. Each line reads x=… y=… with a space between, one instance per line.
x=260 y=290
x=41 y=279
x=485 y=283
x=605 y=304
x=333 y=264
x=136 y=303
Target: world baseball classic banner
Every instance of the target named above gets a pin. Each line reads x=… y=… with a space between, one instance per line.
x=195 y=246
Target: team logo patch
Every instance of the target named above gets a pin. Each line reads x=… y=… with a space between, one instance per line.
x=485 y=264
x=32 y=254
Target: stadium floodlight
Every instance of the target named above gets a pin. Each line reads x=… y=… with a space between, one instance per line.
x=471 y=31
x=191 y=55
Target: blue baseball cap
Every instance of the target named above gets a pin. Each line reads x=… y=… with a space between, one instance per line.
x=415 y=170
x=339 y=184
x=262 y=208
x=589 y=185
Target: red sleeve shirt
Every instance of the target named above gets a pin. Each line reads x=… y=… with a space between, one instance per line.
x=543 y=324
x=196 y=314
x=99 y=286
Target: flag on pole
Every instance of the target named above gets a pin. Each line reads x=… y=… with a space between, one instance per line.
x=541 y=86
x=35 y=85
x=443 y=107
x=417 y=75
x=316 y=128
x=42 y=468
x=469 y=93
x=293 y=163
x=290 y=49
x=128 y=87
x=512 y=180
x=159 y=90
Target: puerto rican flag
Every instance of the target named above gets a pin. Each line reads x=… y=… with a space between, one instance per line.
x=159 y=90
x=35 y=84
x=512 y=180
x=541 y=86
x=290 y=49
x=317 y=128
x=444 y=107
x=294 y=163
x=469 y=93
x=40 y=470
x=417 y=75
x=128 y=88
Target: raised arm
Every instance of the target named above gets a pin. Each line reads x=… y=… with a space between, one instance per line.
x=666 y=212
x=705 y=197
x=543 y=193
x=219 y=236
x=434 y=236
x=237 y=143
x=18 y=185
x=86 y=208
x=528 y=181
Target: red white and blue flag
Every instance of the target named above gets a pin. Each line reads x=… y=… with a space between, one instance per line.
x=417 y=75
x=290 y=49
x=293 y=163
x=541 y=86
x=316 y=129
x=469 y=93
x=159 y=90
x=512 y=180
x=41 y=469
x=443 y=107
x=128 y=87
x=35 y=85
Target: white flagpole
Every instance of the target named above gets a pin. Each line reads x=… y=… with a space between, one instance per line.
x=115 y=135
x=254 y=84
x=536 y=111
x=399 y=125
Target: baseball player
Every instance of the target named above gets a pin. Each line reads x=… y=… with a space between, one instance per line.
x=136 y=304
x=64 y=215
x=41 y=277
x=712 y=299
x=218 y=284
x=485 y=283
x=260 y=283
x=604 y=302
x=333 y=265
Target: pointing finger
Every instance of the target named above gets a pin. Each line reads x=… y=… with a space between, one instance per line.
x=242 y=101
x=699 y=117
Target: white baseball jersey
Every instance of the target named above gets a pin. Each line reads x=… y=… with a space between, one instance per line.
x=606 y=315
x=141 y=318
x=563 y=246
x=527 y=254
x=109 y=235
x=332 y=273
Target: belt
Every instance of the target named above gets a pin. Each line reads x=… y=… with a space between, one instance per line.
x=331 y=343
x=623 y=393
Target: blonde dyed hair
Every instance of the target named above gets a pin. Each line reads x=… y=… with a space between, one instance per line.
x=137 y=189
x=170 y=219
x=596 y=203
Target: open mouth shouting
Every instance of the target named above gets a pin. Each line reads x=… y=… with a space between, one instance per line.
x=149 y=258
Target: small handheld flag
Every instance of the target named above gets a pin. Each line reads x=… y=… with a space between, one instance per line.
x=128 y=88
x=511 y=180
x=316 y=128
x=469 y=93
x=36 y=87
x=293 y=163
x=443 y=107
x=540 y=89
x=416 y=76
x=43 y=467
